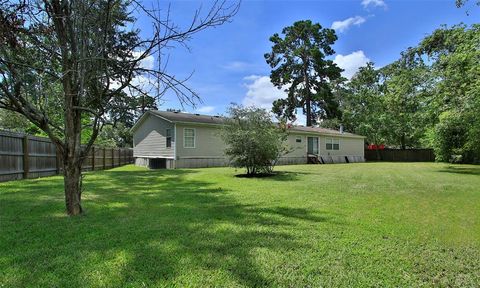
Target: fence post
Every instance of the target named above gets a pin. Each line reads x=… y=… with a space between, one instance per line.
x=113 y=157
x=26 y=163
x=93 y=158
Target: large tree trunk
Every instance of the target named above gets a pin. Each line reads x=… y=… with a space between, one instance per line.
x=308 y=100
x=73 y=186
x=72 y=154
x=309 y=111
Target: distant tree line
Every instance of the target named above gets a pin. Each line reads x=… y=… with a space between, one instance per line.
x=429 y=97
x=115 y=133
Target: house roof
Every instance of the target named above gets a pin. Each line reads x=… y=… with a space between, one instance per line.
x=180 y=117
x=325 y=131
x=187 y=117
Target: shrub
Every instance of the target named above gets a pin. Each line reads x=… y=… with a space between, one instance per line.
x=456 y=137
x=253 y=141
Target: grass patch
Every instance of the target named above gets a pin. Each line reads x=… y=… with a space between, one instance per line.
x=370 y=224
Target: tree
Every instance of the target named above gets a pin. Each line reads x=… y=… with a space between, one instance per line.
x=298 y=63
x=407 y=87
x=123 y=112
x=115 y=136
x=78 y=57
x=451 y=134
x=363 y=106
x=454 y=56
x=253 y=141
x=461 y=3
x=15 y=122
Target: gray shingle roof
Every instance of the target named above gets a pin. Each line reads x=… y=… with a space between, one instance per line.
x=322 y=131
x=208 y=119
x=187 y=117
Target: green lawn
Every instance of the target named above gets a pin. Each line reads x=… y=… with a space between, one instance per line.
x=374 y=224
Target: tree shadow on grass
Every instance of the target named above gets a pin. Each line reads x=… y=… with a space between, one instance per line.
x=276 y=176
x=141 y=227
x=461 y=170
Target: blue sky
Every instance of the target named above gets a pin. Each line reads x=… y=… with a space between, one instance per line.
x=228 y=62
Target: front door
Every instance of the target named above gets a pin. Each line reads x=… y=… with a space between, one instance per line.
x=312 y=147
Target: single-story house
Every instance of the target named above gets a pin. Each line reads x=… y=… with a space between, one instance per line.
x=165 y=139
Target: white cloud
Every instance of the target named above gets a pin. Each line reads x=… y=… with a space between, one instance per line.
x=143 y=81
x=341 y=26
x=374 y=3
x=261 y=92
x=301 y=118
x=206 y=109
x=148 y=62
x=351 y=62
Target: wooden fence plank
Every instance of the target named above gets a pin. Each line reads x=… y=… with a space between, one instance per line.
x=93 y=158
x=24 y=156
x=26 y=163
x=399 y=155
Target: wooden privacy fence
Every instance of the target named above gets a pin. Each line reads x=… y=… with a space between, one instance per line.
x=400 y=155
x=24 y=156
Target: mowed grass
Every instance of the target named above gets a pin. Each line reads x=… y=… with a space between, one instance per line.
x=362 y=225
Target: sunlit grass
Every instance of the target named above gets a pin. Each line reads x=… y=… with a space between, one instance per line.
x=374 y=224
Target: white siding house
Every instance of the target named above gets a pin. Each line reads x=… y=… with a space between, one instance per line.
x=164 y=139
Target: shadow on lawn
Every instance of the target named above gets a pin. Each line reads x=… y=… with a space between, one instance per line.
x=461 y=170
x=157 y=224
x=276 y=176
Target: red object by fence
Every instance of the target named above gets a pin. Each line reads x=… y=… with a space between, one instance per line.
x=376 y=147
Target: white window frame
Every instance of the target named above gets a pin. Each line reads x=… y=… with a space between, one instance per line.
x=166 y=137
x=336 y=141
x=194 y=138
x=332 y=142
x=297 y=138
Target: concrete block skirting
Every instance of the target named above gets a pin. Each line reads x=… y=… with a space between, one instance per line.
x=204 y=162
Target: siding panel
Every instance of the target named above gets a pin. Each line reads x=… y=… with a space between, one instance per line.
x=208 y=142
x=150 y=138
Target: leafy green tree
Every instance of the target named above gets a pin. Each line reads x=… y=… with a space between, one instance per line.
x=430 y=97
x=298 y=62
x=451 y=135
x=363 y=106
x=388 y=105
x=79 y=57
x=253 y=141
x=15 y=122
x=123 y=112
x=455 y=55
x=115 y=136
x=407 y=88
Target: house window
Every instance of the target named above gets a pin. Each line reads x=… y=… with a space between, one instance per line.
x=168 y=135
x=336 y=144
x=298 y=139
x=189 y=138
x=332 y=144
